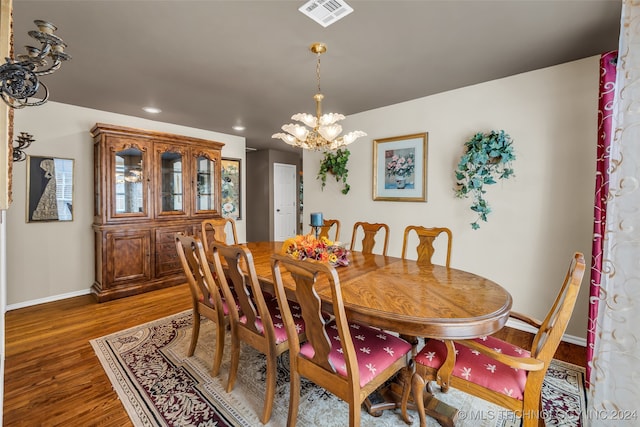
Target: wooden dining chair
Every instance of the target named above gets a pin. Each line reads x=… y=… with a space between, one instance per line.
x=370 y=231
x=207 y=298
x=325 y=230
x=330 y=358
x=426 y=238
x=256 y=320
x=216 y=229
x=495 y=370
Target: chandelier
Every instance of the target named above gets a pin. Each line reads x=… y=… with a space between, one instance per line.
x=19 y=79
x=322 y=133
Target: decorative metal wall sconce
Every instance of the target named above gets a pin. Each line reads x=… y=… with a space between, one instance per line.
x=19 y=78
x=24 y=140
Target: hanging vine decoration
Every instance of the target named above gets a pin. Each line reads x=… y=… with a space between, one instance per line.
x=487 y=158
x=335 y=163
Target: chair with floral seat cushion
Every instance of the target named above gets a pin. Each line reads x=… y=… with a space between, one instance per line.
x=257 y=320
x=370 y=231
x=426 y=237
x=495 y=370
x=348 y=359
x=206 y=296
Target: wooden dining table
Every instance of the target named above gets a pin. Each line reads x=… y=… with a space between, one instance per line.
x=413 y=300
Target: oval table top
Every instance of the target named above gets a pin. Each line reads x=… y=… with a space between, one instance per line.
x=399 y=295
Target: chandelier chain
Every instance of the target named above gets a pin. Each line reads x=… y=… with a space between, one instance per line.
x=318 y=71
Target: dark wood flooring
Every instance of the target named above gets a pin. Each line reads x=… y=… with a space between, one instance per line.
x=53 y=377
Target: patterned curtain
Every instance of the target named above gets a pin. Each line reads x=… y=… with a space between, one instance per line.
x=614 y=392
x=608 y=63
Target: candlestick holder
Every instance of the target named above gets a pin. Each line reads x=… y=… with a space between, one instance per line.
x=316 y=230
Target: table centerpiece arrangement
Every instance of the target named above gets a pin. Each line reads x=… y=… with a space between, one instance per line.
x=307 y=246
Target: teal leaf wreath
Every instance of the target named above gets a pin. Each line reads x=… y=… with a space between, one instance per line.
x=487 y=158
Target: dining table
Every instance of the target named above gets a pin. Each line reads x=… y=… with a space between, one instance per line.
x=411 y=299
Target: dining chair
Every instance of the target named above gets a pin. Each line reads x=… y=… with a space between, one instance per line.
x=495 y=370
x=370 y=231
x=256 y=320
x=327 y=225
x=330 y=358
x=216 y=229
x=205 y=294
x=426 y=238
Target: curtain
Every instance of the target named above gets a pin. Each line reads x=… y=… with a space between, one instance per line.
x=614 y=393
x=608 y=63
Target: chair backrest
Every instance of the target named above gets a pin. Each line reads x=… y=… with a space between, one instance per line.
x=370 y=231
x=194 y=263
x=216 y=229
x=306 y=275
x=326 y=228
x=426 y=238
x=554 y=325
x=241 y=273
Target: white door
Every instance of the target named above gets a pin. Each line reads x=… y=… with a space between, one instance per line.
x=285 y=194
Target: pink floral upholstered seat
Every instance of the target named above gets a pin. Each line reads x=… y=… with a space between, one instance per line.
x=478 y=368
x=276 y=319
x=376 y=350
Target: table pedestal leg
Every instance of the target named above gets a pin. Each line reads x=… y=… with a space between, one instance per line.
x=390 y=397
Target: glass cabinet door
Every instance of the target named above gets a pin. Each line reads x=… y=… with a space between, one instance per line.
x=206 y=182
x=129 y=183
x=171 y=183
x=205 y=192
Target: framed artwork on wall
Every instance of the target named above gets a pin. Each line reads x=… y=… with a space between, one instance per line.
x=231 y=189
x=49 y=189
x=400 y=168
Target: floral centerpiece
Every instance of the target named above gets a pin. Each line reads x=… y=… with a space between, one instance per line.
x=308 y=247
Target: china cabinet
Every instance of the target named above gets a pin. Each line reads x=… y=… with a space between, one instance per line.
x=148 y=186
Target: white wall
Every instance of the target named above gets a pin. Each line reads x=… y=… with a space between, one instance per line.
x=539 y=218
x=50 y=260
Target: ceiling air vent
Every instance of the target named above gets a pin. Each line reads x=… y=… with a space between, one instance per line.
x=326 y=12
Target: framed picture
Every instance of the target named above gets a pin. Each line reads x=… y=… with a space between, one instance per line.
x=400 y=168
x=49 y=189
x=231 y=189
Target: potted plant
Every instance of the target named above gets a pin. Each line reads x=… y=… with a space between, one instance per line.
x=487 y=158
x=336 y=164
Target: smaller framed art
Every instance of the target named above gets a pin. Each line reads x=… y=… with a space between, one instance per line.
x=49 y=189
x=231 y=189
x=400 y=168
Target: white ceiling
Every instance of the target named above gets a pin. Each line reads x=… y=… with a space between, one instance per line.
x=212 y=64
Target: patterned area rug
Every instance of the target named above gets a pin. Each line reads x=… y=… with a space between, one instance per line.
x=159 y=386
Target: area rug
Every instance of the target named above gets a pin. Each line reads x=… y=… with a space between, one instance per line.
x=159 y=386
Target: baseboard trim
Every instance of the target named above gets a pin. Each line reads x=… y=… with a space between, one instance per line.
x=47 y=299
x=515 y=324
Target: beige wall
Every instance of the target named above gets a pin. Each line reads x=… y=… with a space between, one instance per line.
x=539 y=218
x=49 y=260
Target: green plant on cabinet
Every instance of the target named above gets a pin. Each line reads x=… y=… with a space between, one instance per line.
x=335 y=163
x=487 y=158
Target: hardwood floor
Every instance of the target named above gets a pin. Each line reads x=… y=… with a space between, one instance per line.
x=53 y=377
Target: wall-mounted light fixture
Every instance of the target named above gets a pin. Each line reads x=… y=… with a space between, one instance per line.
x=19 y=78
x=24 y=140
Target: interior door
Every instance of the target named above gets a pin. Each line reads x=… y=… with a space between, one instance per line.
x=284 y=195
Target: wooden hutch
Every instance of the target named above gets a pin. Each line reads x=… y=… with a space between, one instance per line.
x=148 y=186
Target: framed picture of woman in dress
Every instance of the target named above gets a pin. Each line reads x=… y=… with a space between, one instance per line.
x=49 y=189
